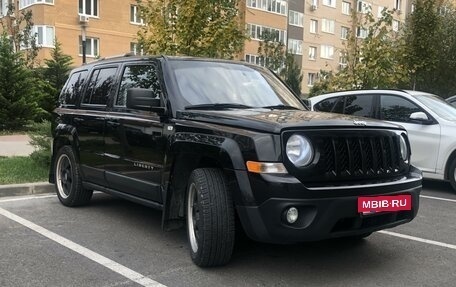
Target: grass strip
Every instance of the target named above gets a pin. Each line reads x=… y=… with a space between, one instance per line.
x=20 y=169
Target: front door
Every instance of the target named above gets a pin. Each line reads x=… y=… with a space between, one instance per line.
x=135 y=141
x=424 y=139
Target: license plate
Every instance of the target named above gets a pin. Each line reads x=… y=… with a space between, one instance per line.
x=373 y=204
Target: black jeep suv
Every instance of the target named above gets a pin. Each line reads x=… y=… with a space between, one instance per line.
x=207 y=141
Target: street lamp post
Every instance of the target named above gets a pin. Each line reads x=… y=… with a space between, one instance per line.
x=83 y=21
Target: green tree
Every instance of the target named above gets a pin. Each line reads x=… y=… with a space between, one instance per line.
x=18 y=25
x=271 y=50
x=291 y=74
x=54 y=76
x=210 y=28
x=431 y=46
x=274 y=56
x=375 y=61
x=19 y=89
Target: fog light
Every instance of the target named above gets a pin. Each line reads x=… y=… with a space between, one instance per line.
x=292 y=215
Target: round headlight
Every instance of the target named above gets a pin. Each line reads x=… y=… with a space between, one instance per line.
x=404 y=148
x=299 y=150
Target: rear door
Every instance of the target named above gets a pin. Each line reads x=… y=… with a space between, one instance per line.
x=424 y=139
x=90 y=123
x=135 y=141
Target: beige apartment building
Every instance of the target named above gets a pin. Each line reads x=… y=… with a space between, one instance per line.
x=313 y=30
x=111 y=25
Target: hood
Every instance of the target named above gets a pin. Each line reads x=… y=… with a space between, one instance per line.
x=276 y=121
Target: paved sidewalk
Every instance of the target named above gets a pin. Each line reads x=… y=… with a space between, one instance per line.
x=15 y=145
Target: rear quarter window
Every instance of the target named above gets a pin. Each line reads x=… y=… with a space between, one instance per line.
x=326 y=105
x=72 y=90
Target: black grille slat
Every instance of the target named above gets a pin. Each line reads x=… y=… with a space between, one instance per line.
x=373 y=156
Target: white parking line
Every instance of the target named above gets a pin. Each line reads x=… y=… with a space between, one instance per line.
x=26 y=198
x=427 y=241
x=100 y=259
x=438 y=198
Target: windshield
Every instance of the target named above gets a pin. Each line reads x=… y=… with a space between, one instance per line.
x=202 y=83
x=438 y=106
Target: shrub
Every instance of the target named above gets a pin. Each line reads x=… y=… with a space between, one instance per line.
x=41 y=140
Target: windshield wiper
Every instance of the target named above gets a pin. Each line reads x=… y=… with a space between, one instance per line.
x=219 y=106
x=281 y=107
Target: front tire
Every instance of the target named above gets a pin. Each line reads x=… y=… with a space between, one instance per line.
x=210 y=218
x=452 y=174
x=68 y=180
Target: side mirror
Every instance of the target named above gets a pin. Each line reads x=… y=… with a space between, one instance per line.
x=420 y=117
x=144 y=100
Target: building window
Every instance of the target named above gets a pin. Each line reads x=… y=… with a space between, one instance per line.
x=25 y=3
x=327 y=51
x=311 y=79
x=295 y=18
x=313 y=26
x=380 y=11
x=312 y=53
x=256 y=31
x=342 y=61
x=346 y=7
x=364 y=7
x=135 y=15
x=45 y=35
x=92 y=47
x=396 y=25
x=361 y=32
x=344 y=31
x=274 y=6
x=88 y=7
x=295 y=46
x=136 y=49
x=327 y=26
x=3 y=8
x=397 y=4
x=330 y=3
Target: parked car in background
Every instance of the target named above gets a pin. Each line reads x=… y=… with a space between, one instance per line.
x=452 y=101
x=429 y=120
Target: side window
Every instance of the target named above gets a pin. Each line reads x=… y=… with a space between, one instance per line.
x=326 y=105
x=138 y=76
x=359 y=105
x=99 y=87
x=339 y=106
x=71 y=92
x=397 y=109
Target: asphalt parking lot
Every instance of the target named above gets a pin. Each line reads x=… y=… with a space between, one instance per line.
x=113 y=242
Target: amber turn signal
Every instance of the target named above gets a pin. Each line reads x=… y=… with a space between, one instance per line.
x=266 y=167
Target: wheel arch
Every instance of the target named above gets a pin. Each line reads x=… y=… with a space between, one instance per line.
x=63 y=135
x=186 y=157
x=450 y=160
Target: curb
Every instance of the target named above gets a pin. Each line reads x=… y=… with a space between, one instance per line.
x=26 y=189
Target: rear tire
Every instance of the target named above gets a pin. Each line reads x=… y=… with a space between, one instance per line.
x=452 y=174
x=210 y=218
x=68 y=180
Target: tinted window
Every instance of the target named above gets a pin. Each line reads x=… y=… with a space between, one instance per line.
x=339 y=106
x=359 y=105
x=138 y=76
x=100 y=85
x=73 y=88
x=397 y=109
x=326 y=105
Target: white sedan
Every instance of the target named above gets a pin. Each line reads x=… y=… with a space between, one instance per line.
x=429 y=121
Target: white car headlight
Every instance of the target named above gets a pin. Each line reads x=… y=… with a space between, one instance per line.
x=404 y=148
x=299 y=150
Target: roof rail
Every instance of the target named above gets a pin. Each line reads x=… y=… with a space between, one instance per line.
x=129 y=54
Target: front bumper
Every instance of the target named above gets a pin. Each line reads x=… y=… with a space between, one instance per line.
x=322 y=216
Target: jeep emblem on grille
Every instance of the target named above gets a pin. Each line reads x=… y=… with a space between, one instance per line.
x=359 y=123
